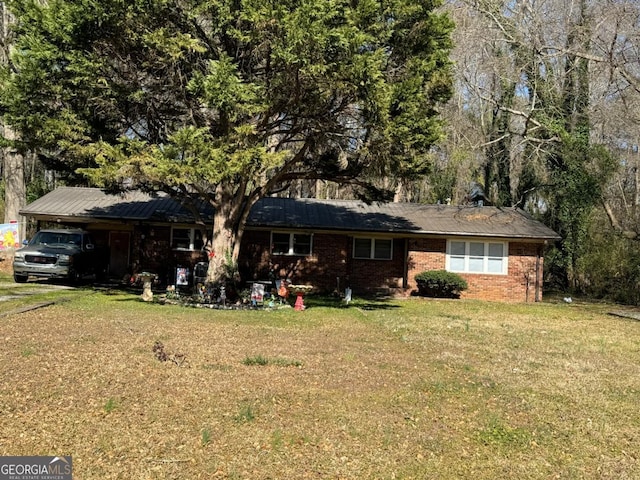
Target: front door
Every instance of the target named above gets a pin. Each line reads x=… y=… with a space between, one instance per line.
x=119 y=251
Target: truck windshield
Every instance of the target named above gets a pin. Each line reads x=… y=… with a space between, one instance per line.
x=57 y=238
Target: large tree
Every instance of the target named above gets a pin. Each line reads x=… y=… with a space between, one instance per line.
x=12 y=159
x=226 y=101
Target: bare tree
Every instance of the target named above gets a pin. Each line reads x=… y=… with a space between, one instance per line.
x=615 y=57
x=545 y=98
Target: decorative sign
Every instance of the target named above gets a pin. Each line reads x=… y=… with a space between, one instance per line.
x=257 y=292
x=182 y=276
x=9 y=237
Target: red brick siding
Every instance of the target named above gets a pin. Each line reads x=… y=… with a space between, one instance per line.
x=153 y=253
x=425 y=254
x=331 y=259
x=254 y=261
x=519 y=285
x=321 y=269
x=367 y=275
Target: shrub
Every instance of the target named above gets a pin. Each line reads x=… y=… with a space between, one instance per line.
x=440 y=283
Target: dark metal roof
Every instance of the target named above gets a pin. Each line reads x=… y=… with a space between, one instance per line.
x=348 y=215
x=83 y=204
x=80 y=204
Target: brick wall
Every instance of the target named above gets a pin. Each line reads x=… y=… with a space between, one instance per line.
x=328 y=261
x=519 y=285
x=151 y=251
x=370 y=275
x=332 y=258
x=425 y=254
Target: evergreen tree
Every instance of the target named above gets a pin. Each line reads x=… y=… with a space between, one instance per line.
x=226 y=101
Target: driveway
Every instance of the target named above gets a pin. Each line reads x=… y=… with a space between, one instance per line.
x=14 y=291
x=18 y=290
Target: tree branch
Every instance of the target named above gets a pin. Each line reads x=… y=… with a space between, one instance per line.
x=615 y=224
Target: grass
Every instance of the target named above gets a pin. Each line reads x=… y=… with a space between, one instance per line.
x=408 y=389
x=264 y=361
x=257 y=360
x=206 y=436
x=27 y=351
x=246 y=413
x=16 y=296
x=110 y=405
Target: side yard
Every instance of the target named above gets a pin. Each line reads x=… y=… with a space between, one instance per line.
x=407 y=389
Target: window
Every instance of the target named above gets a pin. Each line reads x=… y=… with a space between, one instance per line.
x=477 y=257
x=186 y=239
x=372 y=248
x=285 y=243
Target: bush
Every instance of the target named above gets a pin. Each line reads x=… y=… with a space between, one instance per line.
x=440 y=283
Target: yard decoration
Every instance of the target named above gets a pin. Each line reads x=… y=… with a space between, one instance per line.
x=283 y=290
x=147 y=279
x=300 y=291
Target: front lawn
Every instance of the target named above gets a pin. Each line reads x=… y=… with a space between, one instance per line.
x=379 y=390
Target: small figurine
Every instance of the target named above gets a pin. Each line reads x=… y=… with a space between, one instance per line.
x=283 y=290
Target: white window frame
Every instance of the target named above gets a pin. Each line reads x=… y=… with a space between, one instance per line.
x=468 y=258
x=292 y=238
x=372 y=249
x=192 y=237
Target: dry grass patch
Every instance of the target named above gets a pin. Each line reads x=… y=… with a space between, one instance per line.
x=415 y=389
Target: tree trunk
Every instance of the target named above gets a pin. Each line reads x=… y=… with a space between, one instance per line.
x=15 y=191
x=15 y=196
x=230 y=216
x=223 y=239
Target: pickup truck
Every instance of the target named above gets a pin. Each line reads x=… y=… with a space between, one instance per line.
x=60 y=253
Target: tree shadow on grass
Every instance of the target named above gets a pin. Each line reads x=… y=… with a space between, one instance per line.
x=363 y=303
x=310 y=301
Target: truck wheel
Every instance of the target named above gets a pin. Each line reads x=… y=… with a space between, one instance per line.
x=101 y=274
x=74 y=277
x=20 y=278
